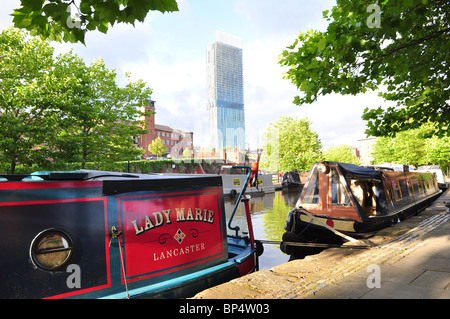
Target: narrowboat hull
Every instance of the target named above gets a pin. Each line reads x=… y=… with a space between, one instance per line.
x=104 y=235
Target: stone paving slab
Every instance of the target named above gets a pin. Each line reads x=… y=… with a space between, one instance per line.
x=432 y=279
x=393 y=290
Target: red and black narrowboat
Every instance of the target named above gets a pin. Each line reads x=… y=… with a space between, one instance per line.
x=340 y=200
x=90 y=234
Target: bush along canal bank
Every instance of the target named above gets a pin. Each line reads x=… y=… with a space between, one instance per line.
x=134 y=166
x=405 y=255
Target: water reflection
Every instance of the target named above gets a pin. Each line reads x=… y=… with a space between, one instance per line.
x=269 y=213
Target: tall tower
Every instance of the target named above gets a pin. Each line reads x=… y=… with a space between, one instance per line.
x=146 y=139
x=225 y=90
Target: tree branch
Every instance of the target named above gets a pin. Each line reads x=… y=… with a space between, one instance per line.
x=412 y=43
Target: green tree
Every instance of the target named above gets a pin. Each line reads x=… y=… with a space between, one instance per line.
x=290 y=144
x=438 y=152
x=65 y=20
x=340 y=153
x=100 y=119
x=187 y=154
x=157 y=147
x=413 y=147
x=384 y=151
x=400 y=48
x=58 y=110
x=27 y=100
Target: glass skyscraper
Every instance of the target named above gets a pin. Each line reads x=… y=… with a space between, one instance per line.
x=226 y=92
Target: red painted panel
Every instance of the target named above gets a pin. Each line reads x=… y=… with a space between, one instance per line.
x=167 y=232
x=247 y=266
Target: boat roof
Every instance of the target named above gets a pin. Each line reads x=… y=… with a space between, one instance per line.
x=357 y=172
x=118 y=182
x=83 y=175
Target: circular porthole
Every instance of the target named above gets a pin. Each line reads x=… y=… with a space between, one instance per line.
x=51 y=249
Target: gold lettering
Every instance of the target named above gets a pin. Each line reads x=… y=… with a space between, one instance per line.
x=190 y=216
x=198 y=214
x=148 y=223
x=136 y=228
x=178 y=251
x=167 y=214
x=159 y=219
x=211 y=217
x=180 y=214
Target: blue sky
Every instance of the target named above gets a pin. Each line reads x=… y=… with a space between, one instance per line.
x=168 y=51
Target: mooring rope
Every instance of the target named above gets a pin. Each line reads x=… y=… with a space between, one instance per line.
x=317 y=245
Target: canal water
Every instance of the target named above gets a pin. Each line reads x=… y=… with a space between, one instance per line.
x=269 y=213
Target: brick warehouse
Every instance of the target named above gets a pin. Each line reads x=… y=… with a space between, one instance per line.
x=176 y=141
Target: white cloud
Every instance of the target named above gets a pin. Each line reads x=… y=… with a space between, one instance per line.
x=337 y=119
x=266 y=94
x=179 y=90
x=6 y=11
x=281 y=17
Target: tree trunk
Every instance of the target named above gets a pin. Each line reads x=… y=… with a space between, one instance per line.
x=83 y=163
x=13 y=165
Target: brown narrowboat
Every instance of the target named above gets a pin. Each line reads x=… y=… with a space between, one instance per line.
x=341 y=199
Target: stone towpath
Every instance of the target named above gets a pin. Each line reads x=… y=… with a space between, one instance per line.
x=411 y=260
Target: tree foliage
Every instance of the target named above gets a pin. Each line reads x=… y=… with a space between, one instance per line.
x=400 y=48
x=413 y=147
x=157 y=147
x=100 y=118
x=187 y=153
x=27 y=101
x=289 y=144
x=340 y=153
x=69 y=20
x=59 y=110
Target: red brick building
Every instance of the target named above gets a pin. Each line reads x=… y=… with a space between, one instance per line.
x=176 y=141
